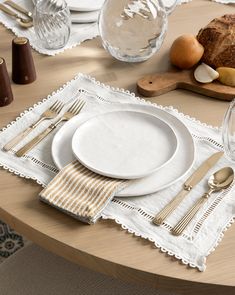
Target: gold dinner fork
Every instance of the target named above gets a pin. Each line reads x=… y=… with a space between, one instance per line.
x=50 y=113
x=74 y=110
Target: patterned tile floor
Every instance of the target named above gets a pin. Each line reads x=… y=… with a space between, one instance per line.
x=10 y=241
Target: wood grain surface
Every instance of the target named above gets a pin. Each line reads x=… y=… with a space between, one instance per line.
x=105 y=247
x=160 y=83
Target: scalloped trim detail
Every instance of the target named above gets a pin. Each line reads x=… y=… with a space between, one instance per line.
x=137 y=98
x=41 y=51
x=141 y=100
x=165 y=250
x=221 y=235
x=146 y=215
x=132 y=94
x=22 y=175
x=49 y=96
x=157 y=245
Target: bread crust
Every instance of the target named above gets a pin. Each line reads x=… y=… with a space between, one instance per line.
x=218 y=40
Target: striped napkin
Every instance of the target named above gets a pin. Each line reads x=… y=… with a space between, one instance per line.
x=80 y=192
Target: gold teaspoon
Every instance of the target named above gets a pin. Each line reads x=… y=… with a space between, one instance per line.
x=220 y=180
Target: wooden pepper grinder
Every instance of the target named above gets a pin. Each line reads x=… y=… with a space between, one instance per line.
x=23 y=69
x=6 y=96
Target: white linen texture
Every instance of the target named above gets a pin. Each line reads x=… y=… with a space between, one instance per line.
x=79 y=32
x=135 y=214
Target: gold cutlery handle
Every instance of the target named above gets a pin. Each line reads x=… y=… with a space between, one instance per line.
x=18 y=8
x=8 y=11
x=13 y=142
x=21 y=152
x=72 y=111
x=184 y=222
x=169 y=208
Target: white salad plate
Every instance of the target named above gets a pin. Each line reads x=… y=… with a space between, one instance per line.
x=124 y=144
x=85 y=5
x=84 y=17
x=172 y=172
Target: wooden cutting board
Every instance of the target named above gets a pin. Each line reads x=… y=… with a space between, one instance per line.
x=157 y=84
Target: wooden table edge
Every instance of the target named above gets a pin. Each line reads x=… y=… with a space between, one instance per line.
x=118 y=271
x=111 y=73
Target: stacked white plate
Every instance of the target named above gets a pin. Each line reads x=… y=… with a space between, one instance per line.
x=142 y=143
x=84 y=11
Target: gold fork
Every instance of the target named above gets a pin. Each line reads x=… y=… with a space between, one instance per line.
x=50 y=113
x=74 y=110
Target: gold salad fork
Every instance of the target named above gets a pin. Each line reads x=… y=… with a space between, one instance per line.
x=74 y=110
x=50 y=113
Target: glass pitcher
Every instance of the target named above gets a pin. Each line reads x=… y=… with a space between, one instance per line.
x=133 y=30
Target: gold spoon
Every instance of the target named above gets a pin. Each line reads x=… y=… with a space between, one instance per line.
x=25 y=23
x=220 y=180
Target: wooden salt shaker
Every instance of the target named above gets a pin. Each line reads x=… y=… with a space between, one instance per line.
x=6 y=96
x=23 y=69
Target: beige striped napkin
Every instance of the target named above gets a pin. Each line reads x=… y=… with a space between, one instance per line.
x=80 y=192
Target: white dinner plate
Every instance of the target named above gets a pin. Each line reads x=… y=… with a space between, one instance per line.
x=84 y=17
x=124 y=144
x=62 y=151
x=85 y=5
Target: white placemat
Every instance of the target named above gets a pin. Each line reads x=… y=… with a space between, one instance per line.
x=225 y=1
x=79 y=32
x=135 y=214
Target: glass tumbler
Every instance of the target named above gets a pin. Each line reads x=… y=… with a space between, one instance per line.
x=52 y=23
x=228 y=131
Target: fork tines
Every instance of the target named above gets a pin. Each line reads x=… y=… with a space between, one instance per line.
x=57 y=106
x=76 y=107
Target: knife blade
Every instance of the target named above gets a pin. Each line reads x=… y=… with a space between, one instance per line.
x=194 y=179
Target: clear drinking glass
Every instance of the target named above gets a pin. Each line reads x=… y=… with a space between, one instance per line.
x=52 y=23
x=228 y=131
x=133 y=30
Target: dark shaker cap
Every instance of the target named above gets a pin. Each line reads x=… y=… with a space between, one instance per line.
x=23 y=69
x=6 y=96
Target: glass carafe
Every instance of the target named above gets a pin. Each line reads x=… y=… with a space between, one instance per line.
x=133 y=30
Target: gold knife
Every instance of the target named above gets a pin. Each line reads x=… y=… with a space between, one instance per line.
x=23 y=22
x=194 y=179
x=19 y=8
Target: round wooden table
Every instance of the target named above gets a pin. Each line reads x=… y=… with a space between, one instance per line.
x=105 y=247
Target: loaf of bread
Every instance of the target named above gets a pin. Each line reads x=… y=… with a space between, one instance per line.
x=218 y=40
